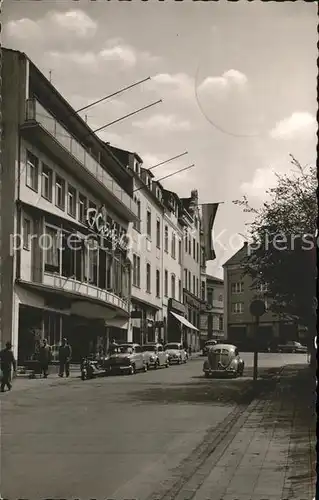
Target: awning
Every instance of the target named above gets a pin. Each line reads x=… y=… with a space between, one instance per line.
x=184 y=321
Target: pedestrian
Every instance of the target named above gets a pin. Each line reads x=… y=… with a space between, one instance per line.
x=65 y=354
x=45 y=357
x=190 y=351
x=7 y=362
x=112 y=347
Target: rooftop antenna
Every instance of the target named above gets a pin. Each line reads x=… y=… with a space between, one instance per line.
x=166 y=161
x=126 y=116
x=50 y=75
x=166 y=176
x=112 y=95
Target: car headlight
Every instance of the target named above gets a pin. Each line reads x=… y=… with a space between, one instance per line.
x=152 y=358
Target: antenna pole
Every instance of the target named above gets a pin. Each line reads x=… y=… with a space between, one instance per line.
x=112 y=95
x=167 y=161
x=126 y=116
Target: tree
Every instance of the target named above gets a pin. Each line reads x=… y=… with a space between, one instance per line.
x=283 y=247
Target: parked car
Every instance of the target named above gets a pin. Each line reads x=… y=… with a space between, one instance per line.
x=155 y=356
x=176 y=353
x=126 y=358
x=207 y=345
x=292 y=346
x=223 y=359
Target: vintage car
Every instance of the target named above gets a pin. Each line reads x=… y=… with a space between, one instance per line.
x=176 y=353
x=207 y=345
x=125 y=358
x=223 y=359
x=292 y=347
x=155 y=356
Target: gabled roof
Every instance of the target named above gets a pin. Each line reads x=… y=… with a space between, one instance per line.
x=209 y=277
x=238 y=257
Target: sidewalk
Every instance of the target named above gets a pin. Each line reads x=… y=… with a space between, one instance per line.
x=270 y=453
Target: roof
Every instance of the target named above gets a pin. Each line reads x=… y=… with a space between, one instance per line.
x=238 y=257
x=224 y=346
x=210 y=277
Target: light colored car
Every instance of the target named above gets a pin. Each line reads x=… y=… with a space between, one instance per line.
x=176 y=353
x=155 y=356
x=293 y=346
x=126 y=358
x=207 y=345
x=223 y=359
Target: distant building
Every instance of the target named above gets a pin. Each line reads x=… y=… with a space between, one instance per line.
x=238 y=295
x=212 y=316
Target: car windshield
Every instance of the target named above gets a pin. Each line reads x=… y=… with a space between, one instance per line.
x=221 y=351
x=148 y=348
x=211 y=342
x=123 y=349
x=171 y=346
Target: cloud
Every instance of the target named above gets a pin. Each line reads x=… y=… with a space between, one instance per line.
x=74 y=22
x=226 y=81
x=178 y=85
x=123 y=54
x=84 y=59
x=163 y=123
x=263 y=179
x=298 y=124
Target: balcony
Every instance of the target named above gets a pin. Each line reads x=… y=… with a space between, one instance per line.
x=42 y=127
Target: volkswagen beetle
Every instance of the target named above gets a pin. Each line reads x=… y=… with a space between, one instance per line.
x=223 y=359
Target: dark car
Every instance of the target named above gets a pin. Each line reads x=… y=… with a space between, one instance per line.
x=223 y=360
x=207 y=346
x=292 y=347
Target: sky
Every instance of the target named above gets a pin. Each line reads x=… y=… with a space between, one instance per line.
x=237 y=83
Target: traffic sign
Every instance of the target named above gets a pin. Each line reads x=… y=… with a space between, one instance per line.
x=257 y=308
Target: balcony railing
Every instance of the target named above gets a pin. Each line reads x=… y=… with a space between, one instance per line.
x=85 y=289
x=36 y=112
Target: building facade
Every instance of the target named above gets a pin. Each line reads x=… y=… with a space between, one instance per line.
x=239 y=292
x=145 y=252
x=66 y=206
x=212 y=316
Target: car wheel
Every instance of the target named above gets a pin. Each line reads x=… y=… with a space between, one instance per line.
x=156 y=366
x=167 y=364
x=293 y=351
x=145 y=368
x=206 y=375
x=83 y=376
x=179 y=361
x=132 y=370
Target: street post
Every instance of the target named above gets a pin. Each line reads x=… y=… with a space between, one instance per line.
x=257 y=309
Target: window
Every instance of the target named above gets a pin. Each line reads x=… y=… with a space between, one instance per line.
x=189 y=281
x=210 y=297
x=221 y=323
x=197 y=286
x=137 y=224
x=173 y=286
x=46 y=182
x=148 y=278
x=158 y=283
x=82 y=208
x=173 y=245
x=166 y=283
x=136 y=271
x=197 y=252
x=32 y=171
x=166 y=239
x=194 y=284
x=180 y=290
x=220 y=298
x=52 y=249
x=237 y=287
x=262 y=287
x=190 y=245
x=185 y=278
x=194 y=249
x=238 y=307
x=203 y=290
x=158 y=233
x=59 y=192
x=179 y=251
x=71 y=201
x=186 y=241
x=26 y=234
x=148 y=223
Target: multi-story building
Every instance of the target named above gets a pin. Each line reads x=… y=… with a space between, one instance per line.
x=239 y=291
x=212 y=317
x=66 y=204
x=192 y=265
x=146 y=252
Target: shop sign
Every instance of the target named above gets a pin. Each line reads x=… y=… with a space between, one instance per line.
x=96 y=221
x=176 y=306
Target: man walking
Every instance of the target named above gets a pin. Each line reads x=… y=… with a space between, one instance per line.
x=44 y=358
x=65 y=354
x=7 y=361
